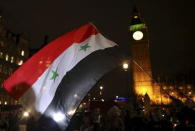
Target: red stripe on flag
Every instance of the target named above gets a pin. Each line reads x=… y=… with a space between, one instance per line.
x=24 y=77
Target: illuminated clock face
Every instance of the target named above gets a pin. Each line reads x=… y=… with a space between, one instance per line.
x=138 y=35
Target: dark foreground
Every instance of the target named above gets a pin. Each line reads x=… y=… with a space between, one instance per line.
x=115 y=119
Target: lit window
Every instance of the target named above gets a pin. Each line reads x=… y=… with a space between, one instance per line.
x=6 y=57
x=181 y=88
x=171 y=87
x=1 y=54
x=189 y=87
x=164 y=88
x=20 y=62
x=25 y=114
x=22 y=53
x=12 y=59
x=135 y=16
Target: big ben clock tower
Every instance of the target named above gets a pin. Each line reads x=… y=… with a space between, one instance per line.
x=141 y=65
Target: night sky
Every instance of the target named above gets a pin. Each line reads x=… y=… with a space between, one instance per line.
x=171 y=25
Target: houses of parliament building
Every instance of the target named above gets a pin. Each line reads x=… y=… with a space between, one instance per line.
x=14 y=51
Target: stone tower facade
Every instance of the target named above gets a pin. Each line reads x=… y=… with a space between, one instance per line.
x=141 y=64
x=14 y=51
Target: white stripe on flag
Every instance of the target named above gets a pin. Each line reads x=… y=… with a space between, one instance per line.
x=40 y=95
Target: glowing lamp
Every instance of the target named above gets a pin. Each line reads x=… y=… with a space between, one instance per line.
x=25 y=114
x=125 y=66
x=58 y=116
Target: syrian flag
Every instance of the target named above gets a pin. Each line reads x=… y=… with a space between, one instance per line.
x=53 y=82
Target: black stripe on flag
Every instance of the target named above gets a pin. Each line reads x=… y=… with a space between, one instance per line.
x=79 y=81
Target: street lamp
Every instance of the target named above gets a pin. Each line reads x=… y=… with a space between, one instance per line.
x=125 y=66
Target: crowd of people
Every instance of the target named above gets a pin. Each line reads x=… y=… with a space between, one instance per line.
x=114 y=119
x=117 y=119
x=9 y=120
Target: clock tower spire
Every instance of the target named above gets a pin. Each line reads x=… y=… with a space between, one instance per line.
x=138 y=28
x=141 y=65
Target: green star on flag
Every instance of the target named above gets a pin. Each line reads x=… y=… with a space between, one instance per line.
x=54 y=75
x=58 y=65
x=84 y=47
